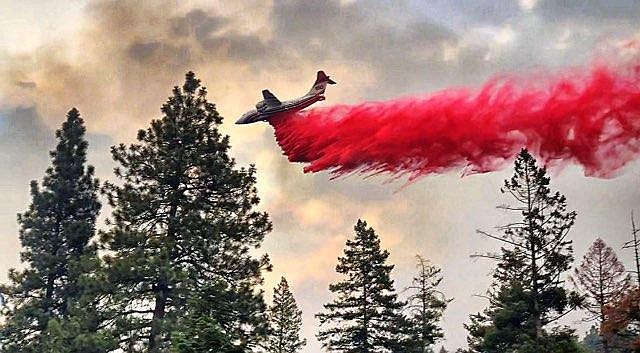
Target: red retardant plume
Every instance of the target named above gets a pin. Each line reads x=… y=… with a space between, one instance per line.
x=590 y=117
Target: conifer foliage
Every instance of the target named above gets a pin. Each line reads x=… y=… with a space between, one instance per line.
x=182 y=233
x=45 y=300
x=425 y=306
x=365 y=313
x=285 y=322
x=528 y=293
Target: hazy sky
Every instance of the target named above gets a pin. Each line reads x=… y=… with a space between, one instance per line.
x=118 y=60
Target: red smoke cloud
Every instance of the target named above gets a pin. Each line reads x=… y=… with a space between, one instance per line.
x=590 y=117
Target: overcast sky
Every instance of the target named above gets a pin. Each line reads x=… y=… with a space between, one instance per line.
x=117 y=61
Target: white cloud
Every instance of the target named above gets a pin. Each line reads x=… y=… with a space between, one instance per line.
x=527 y=5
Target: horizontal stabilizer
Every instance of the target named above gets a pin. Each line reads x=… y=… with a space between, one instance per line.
x=322 y=77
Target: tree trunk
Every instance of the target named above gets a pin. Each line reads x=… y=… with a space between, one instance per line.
x=635 y=247
x=155 y=336
x=48 y=299
x=162 y=292
x=534 y=268
x=601 y=300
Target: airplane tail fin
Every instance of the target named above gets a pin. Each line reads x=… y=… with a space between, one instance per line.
x=321 y=83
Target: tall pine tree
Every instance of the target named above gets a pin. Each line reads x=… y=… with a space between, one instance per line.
x=183 y=229
x=51 y=299
x=365 y=313
x=528 y=293
x=425 y=304
x=285 y=322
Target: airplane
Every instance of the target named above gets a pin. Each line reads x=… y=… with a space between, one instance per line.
x=272 y=106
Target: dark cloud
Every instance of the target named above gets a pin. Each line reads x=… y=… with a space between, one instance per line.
x=23 y=137
x=170 y=56
x=172 y=35
x=397 y=51
x=25 y=141
x=464 y=13
x=240 y=47
x=132 y=54
x=297 y=22
x=215 y=34
x=197 y=22
x=143 y=51
x=487 y=11
x=592 y=10
x=141 y=48
x=26 y=84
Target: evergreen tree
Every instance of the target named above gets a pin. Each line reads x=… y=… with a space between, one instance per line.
x=51 y=302
x=201 y=331
x=285 y=321
x=365 y=313
x=603 y=279
x=426 y=305
x=183 y=229
x=592 y=341
x=528 y=293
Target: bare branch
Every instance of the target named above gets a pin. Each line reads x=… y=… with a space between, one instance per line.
x=481 y=232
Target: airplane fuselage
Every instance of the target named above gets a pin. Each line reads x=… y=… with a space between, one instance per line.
x=271 y=106
x=293 y=105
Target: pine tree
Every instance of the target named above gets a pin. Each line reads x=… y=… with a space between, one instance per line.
x=285 y=321
x=364 y=315
x=603 y=279
x=528 y=293
x=201 y=330
x=182 y=233
x=592 y=341
x=49 y=300
x=426 y=305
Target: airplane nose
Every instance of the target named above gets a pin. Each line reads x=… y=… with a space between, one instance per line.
x=244 y=119
x=247 y=118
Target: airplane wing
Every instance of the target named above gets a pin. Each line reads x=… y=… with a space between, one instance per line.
x=270 y=99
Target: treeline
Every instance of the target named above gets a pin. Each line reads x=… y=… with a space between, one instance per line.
x=535 y=285
x=530 y=293
x=175 y=268
x=173 y=271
